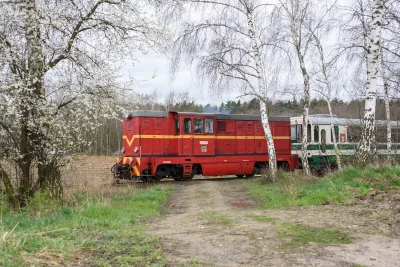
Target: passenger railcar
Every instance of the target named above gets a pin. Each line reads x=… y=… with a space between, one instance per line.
x=347 y=134
x=158 y=144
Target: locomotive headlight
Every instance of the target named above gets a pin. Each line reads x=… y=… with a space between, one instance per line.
x=136 y=149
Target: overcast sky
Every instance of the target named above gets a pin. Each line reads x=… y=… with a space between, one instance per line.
x=152 y=72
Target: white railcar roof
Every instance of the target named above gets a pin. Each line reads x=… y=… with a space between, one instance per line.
x=326 y=120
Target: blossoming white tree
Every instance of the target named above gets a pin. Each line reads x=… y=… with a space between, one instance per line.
x=58 y=62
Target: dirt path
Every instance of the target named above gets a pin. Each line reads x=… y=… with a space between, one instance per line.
x=215 y=223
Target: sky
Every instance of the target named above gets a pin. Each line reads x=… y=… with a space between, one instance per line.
x=152 y=72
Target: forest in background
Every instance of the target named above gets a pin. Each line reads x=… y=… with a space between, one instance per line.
x=106 y=139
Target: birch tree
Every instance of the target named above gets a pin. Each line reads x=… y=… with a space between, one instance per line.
x=230 y=45
x=366 y=147
x=57 y=62
x=390 y=61
x=296 y=16
x=325 y=28
x=327 y=91
x=387 y=106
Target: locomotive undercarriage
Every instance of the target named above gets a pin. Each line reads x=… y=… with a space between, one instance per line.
x=180 y=172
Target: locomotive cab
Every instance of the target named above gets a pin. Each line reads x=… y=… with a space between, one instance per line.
x=197 y=134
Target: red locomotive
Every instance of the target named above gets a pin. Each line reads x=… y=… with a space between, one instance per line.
x=161 y=144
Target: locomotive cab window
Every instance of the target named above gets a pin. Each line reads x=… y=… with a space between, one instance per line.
x=209 y=125
x=187 y=124
x=199 y=125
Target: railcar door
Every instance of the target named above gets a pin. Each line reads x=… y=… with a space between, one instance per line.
x=187 y=135
x=203 y=136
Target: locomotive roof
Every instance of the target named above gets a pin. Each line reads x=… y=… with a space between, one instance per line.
x=148 y=113
x=237 y=117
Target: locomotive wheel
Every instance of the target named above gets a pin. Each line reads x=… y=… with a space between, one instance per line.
x=239 y=175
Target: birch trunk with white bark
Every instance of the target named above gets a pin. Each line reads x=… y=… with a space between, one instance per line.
x=387 y=109
x=339 y=165
x=262 y=91
x=306 y=107
x=367 y=144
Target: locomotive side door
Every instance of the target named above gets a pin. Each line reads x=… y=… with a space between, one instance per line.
x=187 y=135
x=204 y=137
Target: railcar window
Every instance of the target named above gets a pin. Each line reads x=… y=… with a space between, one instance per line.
x=221 y=126
x=336 y=128
x=198 y=125
x=187 y=124
x=299 y=132
x=293 y=133
x=209 y=125
x=308 y=132
x=323 y=141
x=316 y=133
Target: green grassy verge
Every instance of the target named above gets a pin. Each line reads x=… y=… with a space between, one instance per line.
x=300 y=235
x=295 y=189
x=95 y=230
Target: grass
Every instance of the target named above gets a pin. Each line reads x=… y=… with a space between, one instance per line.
x=216 y=218
x=295 y=189
x=95 y=230
x=301 y=235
